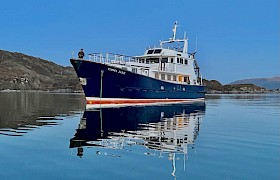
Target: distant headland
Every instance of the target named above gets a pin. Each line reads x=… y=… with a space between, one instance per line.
x=215 y=87
x=23 y=72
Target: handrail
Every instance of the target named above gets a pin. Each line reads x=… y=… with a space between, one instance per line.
x=111 y=57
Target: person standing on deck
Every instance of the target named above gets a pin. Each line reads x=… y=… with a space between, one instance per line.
x=81 y=54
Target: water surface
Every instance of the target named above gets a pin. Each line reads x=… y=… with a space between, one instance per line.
x=53 y=136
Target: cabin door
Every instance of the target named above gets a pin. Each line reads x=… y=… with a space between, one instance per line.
x=162 y=65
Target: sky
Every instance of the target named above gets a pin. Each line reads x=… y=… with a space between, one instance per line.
x=236 y=39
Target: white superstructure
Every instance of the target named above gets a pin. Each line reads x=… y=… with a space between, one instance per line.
x=169 y=62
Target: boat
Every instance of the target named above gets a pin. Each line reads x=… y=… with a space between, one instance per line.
x=164 y=74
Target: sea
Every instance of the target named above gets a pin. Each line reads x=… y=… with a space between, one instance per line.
x=56 y=136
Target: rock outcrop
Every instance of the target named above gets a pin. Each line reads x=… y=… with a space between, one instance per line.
x=22 y=72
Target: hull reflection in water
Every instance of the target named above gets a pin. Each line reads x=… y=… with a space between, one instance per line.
x=170 y=129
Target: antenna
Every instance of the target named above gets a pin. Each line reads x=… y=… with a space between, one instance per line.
x=174 y=31
x=195 y=43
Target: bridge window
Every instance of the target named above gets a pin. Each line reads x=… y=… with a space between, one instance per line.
x=186 y=61
x=154 y=51
x=152 y=60
x=150 y=51
x=171 y=60
x=157 y=51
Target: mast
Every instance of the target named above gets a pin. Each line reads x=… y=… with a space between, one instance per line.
x=185 y=49
x=174 y=31
x=173 y=39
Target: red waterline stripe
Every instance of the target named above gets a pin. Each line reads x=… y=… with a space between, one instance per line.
x=131 y=101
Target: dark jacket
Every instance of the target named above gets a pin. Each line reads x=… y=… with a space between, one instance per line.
x=81 y=54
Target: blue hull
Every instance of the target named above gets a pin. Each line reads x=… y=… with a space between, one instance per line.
x=110 y=82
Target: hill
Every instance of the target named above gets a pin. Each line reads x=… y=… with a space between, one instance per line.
x=214 y=86
x=268 y=83
x=22 y=72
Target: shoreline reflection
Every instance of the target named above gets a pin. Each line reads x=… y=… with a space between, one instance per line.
x=22 y=112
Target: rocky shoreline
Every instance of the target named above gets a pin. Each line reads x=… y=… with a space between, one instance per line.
x=20 y=72
x=62 y=91
x=244 y=92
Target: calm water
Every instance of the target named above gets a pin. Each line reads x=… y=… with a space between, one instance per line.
x=52 y=136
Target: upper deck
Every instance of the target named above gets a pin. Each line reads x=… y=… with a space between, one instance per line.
x=169 y=62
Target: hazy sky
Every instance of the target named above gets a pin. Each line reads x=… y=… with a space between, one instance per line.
x=237 y=39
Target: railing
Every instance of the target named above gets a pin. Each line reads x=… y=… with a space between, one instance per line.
x=111 y=58
x=169 y=67
x=179 y=49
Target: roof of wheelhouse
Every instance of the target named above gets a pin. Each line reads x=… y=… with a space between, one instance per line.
x=163 y=51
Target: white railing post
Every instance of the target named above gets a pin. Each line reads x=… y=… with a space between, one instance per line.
x=107 y=57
